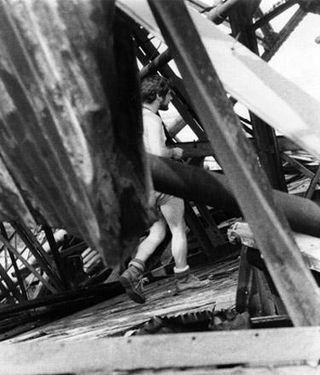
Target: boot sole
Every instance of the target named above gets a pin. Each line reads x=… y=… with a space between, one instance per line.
x=189 y=287
x=130 y=291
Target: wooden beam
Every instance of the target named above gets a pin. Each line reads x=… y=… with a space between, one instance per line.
x=273 y=13
x=313 y=183
x=204 y=148
x=264 y=136
x=21 y=258
x=293 y=22
x=264 y=347
x=71 y=116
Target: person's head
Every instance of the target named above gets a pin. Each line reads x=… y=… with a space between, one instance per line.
x=156 y=88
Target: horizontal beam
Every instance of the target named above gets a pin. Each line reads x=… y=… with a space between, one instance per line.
x=267 y=347
x=203 y=148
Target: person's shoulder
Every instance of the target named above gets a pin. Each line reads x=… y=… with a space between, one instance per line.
x=151 y=117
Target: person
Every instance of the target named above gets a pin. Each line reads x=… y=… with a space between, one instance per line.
x=156 y=95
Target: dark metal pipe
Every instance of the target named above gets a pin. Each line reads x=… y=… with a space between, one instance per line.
x=156 y=64
x=212 y=188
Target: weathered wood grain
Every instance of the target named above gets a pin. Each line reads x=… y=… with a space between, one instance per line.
x=266 y=349
x=70 y=121
x=120 y=314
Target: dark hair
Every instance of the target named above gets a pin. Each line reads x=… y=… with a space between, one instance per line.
x=153 y=85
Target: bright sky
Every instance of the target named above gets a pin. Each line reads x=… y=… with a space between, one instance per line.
x=299 y=57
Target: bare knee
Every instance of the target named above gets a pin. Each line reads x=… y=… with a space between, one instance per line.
x=157 y=233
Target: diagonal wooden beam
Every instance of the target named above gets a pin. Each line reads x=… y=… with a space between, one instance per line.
x=273 y=13
x=36 y=273
x=249 y=183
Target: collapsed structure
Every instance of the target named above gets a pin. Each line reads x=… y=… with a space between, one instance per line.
x=72 y=155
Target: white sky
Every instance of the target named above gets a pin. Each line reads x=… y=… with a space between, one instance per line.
x=298 y=59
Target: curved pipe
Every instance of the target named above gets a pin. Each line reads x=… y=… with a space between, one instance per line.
x=212 y=189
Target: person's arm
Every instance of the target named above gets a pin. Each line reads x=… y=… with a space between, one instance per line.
x=154 y=138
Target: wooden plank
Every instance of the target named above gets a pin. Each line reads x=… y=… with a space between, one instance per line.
x=308 y=245
x=259 y=348
x=120 y=314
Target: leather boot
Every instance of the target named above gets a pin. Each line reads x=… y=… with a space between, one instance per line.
x=131 y=280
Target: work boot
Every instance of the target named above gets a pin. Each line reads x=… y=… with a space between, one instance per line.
x=186 y=280
x=132 y=281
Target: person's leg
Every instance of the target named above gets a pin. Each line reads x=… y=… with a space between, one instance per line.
x=131 y=279
x=148 y=246
x=173 y=212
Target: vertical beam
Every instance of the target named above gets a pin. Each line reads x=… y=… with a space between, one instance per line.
x=248 y=181
x=264 y=135
x=199 y=232
x=212 y=229
x=55 y=253
x=244 y=282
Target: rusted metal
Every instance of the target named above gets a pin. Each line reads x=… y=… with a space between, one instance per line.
x=283 y=259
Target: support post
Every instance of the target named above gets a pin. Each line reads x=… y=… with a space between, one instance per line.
x=264 y=135
x=55 y=253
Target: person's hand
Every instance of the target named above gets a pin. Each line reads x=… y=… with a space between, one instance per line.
x=177 y=153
